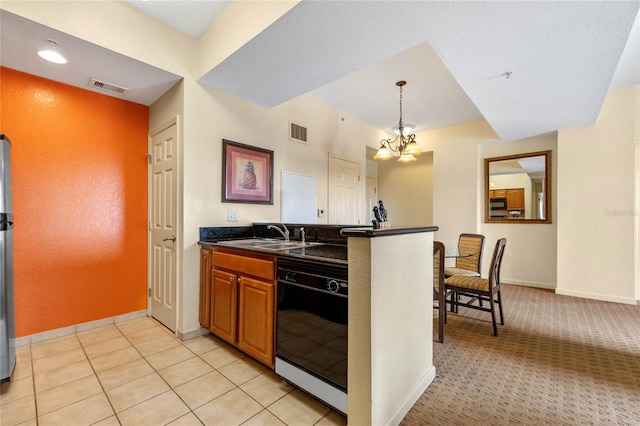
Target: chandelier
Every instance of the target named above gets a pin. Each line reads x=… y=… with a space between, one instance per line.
x=407 y=147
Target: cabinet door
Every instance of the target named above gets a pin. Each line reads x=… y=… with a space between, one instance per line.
x=256 y=319
x=224 y=301
x=515 y=199
x=204 y=312
x=500 y=193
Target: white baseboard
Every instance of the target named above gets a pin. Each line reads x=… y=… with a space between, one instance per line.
x=65 y=331
x=396 y=416
x=596 y=296
x=573 y=293
x=192 y=334
x=528 y=283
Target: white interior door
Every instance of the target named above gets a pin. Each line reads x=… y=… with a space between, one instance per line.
x=371 y=197
x=164 y=186
x=344 y=191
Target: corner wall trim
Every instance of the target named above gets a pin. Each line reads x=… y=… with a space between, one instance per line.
x=396 y=416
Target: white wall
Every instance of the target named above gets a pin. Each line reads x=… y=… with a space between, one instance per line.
x=596 y=206
x=530 y=254
x=457 y=177
x=407 y=190
x=210 y=116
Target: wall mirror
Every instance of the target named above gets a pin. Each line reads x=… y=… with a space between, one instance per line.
x=518 y=188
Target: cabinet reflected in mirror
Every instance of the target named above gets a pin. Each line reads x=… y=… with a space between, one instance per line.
x=518 y=188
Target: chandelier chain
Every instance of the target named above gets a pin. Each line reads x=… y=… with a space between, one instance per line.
x=401 y=110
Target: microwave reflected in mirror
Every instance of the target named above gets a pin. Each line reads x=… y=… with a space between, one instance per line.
x=518 y=188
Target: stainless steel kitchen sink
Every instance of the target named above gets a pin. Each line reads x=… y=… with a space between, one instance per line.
x=252 y=242
x=270 y=244
x=289 y=245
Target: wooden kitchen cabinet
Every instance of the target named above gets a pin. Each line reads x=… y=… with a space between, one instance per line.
x=242 y=302
x=515 y=199
x=204 y=312
x=498 y=193
x=256 y=319
x=224 y=300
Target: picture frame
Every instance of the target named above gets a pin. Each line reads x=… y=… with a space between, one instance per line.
x=247 y=173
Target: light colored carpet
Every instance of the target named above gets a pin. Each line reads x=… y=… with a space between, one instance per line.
x=559 y=360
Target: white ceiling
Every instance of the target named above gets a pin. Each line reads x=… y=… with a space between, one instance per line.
x=21 y=38
x=564 y=56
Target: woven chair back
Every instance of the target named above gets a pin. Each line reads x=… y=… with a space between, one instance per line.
x=438 y=265
x=470 y=244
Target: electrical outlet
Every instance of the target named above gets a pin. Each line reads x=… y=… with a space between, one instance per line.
x=232 y=215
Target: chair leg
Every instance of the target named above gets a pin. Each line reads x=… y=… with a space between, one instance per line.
x=493 y=314
x=442 y=312
x=500 y=307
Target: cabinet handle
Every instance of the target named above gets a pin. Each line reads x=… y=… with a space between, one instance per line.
x=230 y=279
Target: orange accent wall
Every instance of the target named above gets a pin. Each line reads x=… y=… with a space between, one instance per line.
x=79 y=175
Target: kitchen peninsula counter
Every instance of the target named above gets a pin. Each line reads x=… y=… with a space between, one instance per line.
x=390 y=320
x=390 y=350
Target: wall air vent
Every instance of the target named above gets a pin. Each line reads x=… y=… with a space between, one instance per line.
x=108 y=87
x=297 y=132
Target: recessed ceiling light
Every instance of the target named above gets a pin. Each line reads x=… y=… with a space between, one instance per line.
x=52 y=55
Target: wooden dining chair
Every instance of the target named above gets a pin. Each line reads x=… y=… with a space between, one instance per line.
x=480 y=289
x=439 y=301
x=473 y=246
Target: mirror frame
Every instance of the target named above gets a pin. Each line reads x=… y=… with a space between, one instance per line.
x=547 y=188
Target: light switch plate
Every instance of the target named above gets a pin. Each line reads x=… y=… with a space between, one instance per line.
x=320 y=212
x=232 y=215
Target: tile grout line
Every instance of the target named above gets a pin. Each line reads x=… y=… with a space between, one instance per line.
x=98 y=379
x=33 y=382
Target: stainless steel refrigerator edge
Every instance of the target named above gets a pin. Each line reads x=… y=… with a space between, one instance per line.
x=7 y=317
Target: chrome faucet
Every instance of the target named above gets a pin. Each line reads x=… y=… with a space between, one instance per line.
x=284 y=233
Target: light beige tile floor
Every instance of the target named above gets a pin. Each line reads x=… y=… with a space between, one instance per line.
x=138 y=373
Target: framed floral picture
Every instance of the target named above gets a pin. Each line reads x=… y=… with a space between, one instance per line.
x=247 y=174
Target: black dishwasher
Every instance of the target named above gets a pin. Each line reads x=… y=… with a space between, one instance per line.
x=311 y=328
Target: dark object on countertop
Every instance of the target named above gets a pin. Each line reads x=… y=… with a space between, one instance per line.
x=383 y=211
x=376 y=213
x=376 y=224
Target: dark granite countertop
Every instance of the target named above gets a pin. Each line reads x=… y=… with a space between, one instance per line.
x=385 y=232
x=328 y=243
x=318 y=252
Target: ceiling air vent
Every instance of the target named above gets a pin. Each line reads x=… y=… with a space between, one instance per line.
x=108 y=87
x=297 y=133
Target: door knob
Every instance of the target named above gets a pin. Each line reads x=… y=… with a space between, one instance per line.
x=171 y=238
